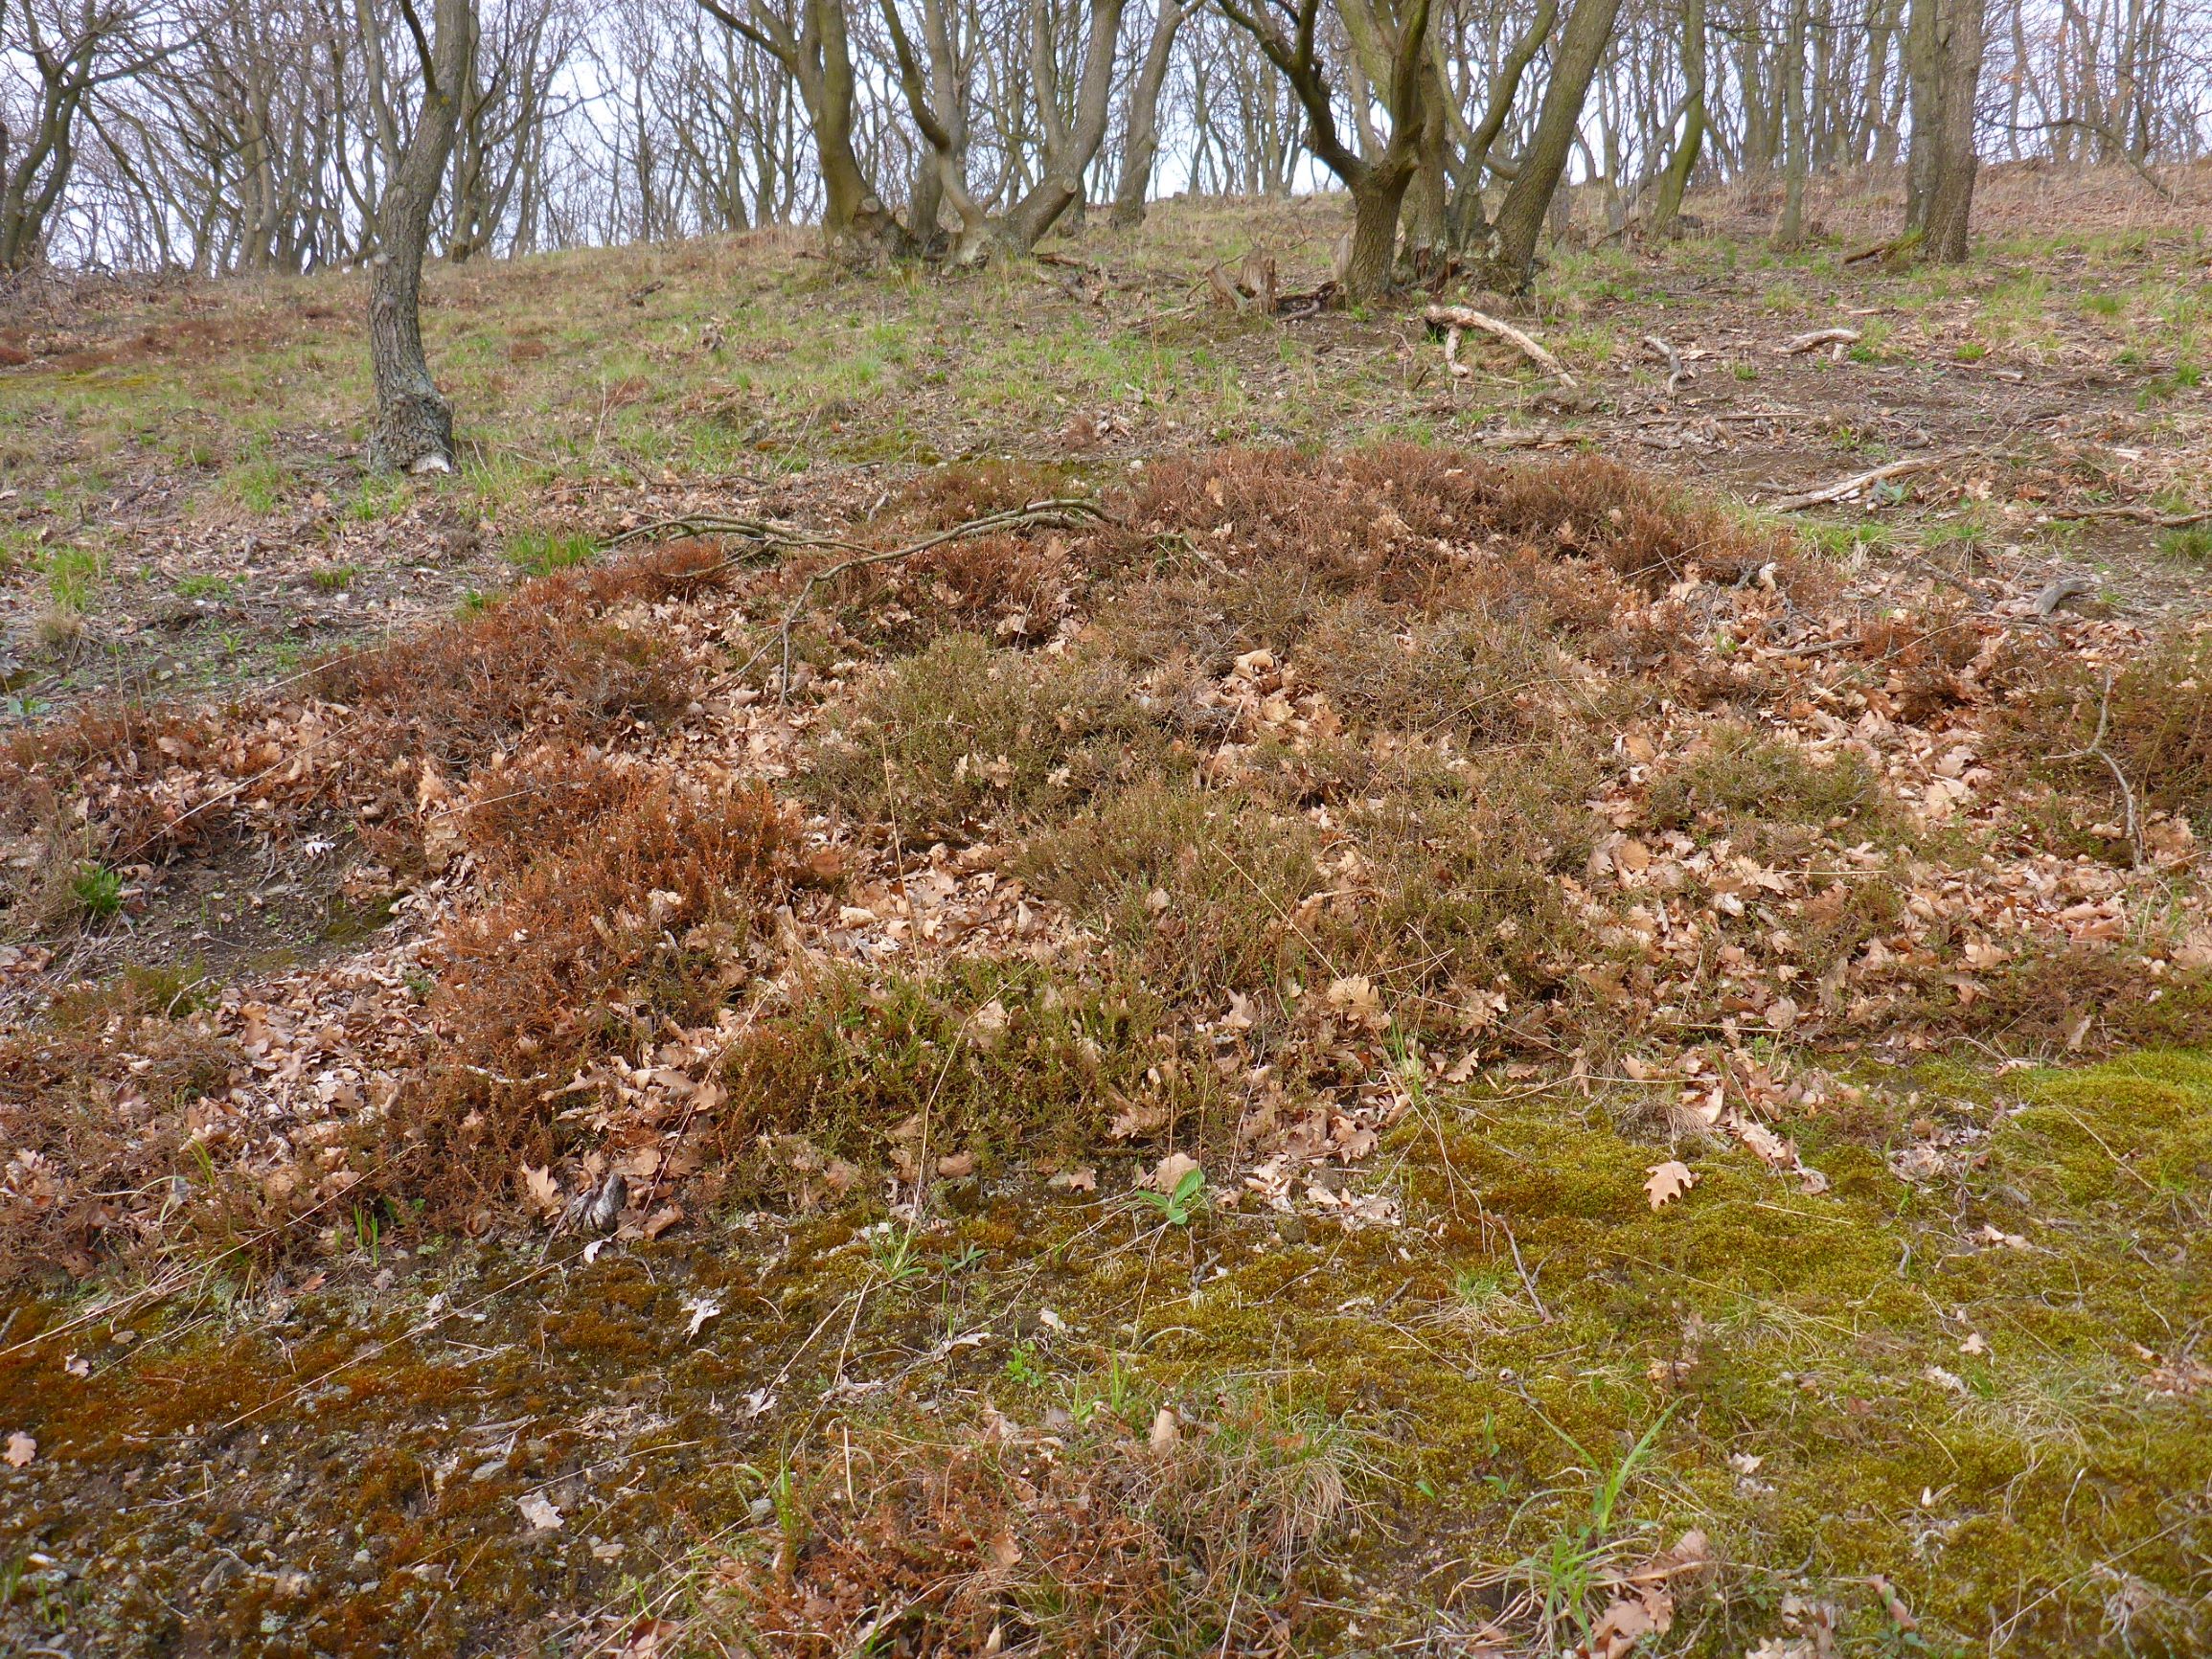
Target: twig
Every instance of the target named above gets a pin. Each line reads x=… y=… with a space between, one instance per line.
x=1843 y=488
x=766 y=532
x=1675 y=372
x=1065 y=512
x=2097 y=751
x=2150 y=516
x=1452 y=317
x=1799 y=344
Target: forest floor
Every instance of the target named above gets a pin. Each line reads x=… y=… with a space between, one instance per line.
x=1371 y=1010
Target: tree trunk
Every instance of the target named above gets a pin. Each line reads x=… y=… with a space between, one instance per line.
x=1521 y=218
x=1676 y=178
x=1428 y=237
x=1144 y=126
x=414 y=429
x=1791 y=230
x=1067 y=152
x=1376 y=200
x=1945 y=52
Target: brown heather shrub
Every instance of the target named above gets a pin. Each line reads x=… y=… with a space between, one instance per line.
x=544 y=663
x=1373 y=519
x=949 y=495
x=96 y=1106
x=651 y=916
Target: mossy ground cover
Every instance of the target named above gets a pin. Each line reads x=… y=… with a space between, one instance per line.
x=1974 y=1386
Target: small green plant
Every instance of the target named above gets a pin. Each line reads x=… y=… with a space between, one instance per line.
x=893 y=1252
x=368 y=1233
x=1567 y=1573
x=1971 y=351
x=542 y=552
x=2102 y=304
x=2191 y=541
x=1021 y=1365
x=202 y=586
x=98 y=890
x=334 y=578
x=1179 y=1203
x=1745 y=371
x=71 y=573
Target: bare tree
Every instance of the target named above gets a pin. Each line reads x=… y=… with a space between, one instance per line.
x=1379 y=183
x=815 y=48
x=72 y=47
x=1141 y=143
x=414 y=428
x=1528 y=199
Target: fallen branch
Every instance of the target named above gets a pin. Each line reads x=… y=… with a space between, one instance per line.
x=1882 y=250
x=1675 y=372
x=2062 y=592
x=1457 y=317
x=767 y=531
x=1845 y=488
x=1798 y=345
x=2150 y=516
x=1063 y=513
x=2096 y=751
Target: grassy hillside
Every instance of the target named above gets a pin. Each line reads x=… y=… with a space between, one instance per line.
x=1220 y=992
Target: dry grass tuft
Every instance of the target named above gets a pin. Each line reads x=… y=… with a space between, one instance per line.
x=963 y=738
x=1105 y=1548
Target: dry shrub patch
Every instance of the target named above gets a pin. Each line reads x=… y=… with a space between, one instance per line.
x=1735 y=773
x=1383 y=520
x=2157 y=713
x=95 y=1104
x=559 y=659
x=589 y=949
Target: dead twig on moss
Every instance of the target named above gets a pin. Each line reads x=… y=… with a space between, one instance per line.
x=1454 y=319
x=1063 y=513
x=1845 y=488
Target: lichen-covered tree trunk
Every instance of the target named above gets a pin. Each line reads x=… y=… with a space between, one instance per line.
x=413 y=426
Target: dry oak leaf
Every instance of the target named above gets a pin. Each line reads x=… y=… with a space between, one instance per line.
x=539 y=1511
x=22 y=1449
x=1669 y=1181
x=1170 y=1171
x=541 y=1188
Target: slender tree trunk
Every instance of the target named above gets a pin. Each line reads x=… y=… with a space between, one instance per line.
x=1676 y=178
x=414 y=429
x=1144 y=124
x=1521 y=218
x=1791 y=230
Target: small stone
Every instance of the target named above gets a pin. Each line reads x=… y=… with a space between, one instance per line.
x=1291 y=1229
x=762 y=1511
